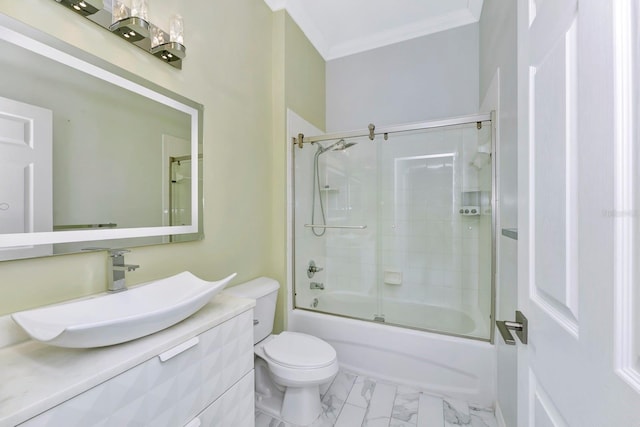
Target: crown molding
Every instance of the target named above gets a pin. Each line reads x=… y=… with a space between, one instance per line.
x=400 y=34
x=374 y=40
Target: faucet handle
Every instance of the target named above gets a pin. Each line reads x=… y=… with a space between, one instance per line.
x=313 y=269
x=126 y=267
x=118 y=252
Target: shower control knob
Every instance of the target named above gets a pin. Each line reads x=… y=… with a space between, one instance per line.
x=466 y=211
x=312 y=269
x=461 y=210
x=474 y=211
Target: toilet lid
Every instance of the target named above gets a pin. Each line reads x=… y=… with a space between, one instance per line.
x=297 y=350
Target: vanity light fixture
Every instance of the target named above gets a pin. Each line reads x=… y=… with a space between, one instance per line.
x=133 y=25
x=132 y=29
x=169 y=52
x=169 y=47
x=83 y=7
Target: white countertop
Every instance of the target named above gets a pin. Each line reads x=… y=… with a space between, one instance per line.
x=35 y=377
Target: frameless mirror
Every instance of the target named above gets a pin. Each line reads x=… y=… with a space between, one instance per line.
x=90 y=155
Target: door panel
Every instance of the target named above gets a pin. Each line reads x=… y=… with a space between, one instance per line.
x=627 y=203
x=577 y=218
x=552 y=197
x=549 y=291
x=545 y=412
x=26 y=206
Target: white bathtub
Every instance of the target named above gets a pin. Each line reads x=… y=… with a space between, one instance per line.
x=456 y=367
x=466 y=321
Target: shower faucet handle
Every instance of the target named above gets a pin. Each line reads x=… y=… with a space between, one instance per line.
x=312 y=269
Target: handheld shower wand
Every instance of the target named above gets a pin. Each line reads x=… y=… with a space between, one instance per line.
x=339 y=145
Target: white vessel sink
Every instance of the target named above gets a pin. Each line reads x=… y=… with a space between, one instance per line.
x=115 y=318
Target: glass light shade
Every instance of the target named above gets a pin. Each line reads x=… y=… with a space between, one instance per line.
x=158 y=36
x=120 y=11
x=176 y=29
x=140 y=8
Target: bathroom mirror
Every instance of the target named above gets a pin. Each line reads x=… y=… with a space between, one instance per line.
x=91 y=156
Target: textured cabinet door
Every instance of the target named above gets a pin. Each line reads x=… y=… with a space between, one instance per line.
x=164 y=394
x=234 y=408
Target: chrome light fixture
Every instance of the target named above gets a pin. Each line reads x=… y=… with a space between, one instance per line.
x=133 y=25
x=172 y=50
x=132 y=29
x=83 y=7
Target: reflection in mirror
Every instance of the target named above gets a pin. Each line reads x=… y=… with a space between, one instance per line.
x=87 y=155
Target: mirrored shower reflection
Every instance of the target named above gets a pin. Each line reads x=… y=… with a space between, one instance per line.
x=402 y=229
x=180 y=205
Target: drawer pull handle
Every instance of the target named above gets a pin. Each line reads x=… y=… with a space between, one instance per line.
x=179 y=349
x=193 y=423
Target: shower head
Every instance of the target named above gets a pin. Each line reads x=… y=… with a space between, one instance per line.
x=342 y=145
x=339 y=145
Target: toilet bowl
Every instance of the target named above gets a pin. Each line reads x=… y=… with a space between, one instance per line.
x=297 y=364
x=290 y=367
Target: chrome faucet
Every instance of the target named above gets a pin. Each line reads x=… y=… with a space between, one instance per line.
x=118 y=268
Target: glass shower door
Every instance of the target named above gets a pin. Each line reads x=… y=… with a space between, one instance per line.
x=336 y=228
x=398 y=230
x=435 y=230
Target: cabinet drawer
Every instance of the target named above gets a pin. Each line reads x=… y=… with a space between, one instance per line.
x=164 y=393
x=234 y=408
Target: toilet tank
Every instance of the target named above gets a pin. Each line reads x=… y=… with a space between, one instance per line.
x=265 y=291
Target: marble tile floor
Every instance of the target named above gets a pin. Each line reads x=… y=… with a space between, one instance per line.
x=355 y=400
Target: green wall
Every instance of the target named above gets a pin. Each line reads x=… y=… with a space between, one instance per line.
x=228 y=69
x=299 y=85
x=246 y=65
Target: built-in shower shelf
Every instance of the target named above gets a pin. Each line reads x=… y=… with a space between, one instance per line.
x=511 y=233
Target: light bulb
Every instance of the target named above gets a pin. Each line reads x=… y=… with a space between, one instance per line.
x=176 y=29
x=120 y=11
x=140 y=8
x=157 y=36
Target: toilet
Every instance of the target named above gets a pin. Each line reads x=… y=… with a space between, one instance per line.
x=290 y=367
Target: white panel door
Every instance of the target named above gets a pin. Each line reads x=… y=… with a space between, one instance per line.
x=26 y=202
x=570 y=373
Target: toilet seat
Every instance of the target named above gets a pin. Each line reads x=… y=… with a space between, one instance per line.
x=292 y=365
x=299 y=351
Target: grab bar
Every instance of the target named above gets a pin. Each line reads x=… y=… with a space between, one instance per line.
x=351 y=227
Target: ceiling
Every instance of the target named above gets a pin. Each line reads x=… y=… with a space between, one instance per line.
x=339 y=28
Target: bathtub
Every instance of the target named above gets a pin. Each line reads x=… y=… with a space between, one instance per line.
x=466 y=321
x=449 y=366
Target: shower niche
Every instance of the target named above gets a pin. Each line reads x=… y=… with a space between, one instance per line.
x=402 y=225
x=475 y=203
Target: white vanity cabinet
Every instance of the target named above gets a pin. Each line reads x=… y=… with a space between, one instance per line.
x=203 y=380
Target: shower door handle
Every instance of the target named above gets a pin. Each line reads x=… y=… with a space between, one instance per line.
x=520 y=326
